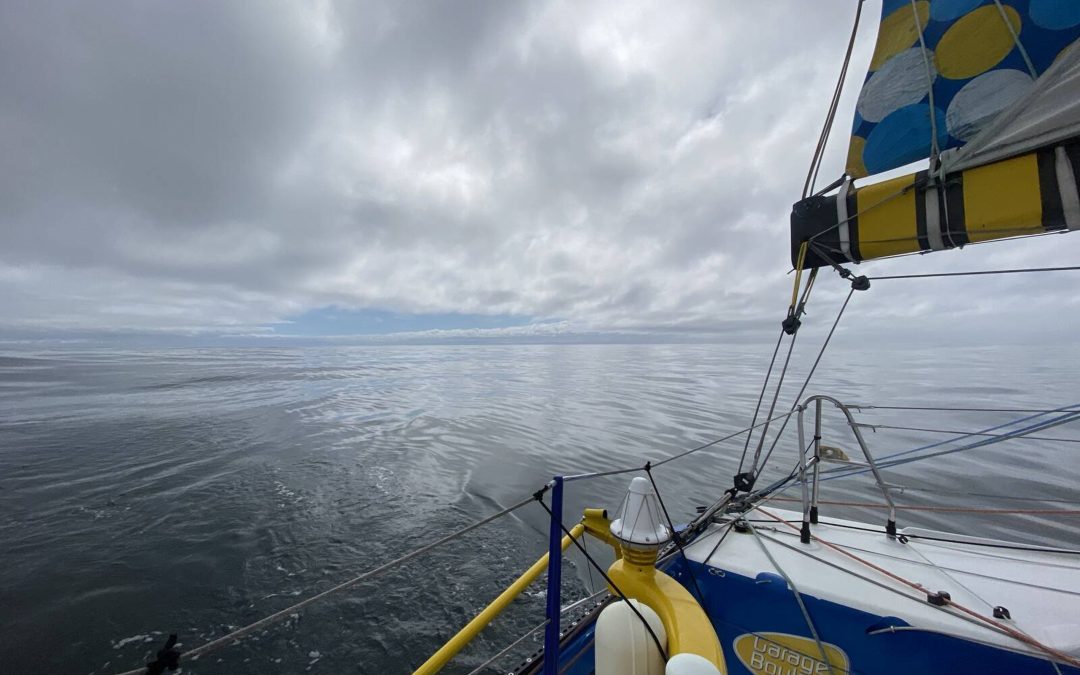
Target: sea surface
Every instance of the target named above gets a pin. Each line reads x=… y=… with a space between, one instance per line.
x=193 y=491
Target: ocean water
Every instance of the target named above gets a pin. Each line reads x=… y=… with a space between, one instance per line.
x=196 y=490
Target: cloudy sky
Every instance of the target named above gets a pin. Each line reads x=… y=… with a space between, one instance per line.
x=327 y=168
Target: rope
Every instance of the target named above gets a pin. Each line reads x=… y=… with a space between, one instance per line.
x=1072 y=268
x=611 y=584
x=945 y=409
x=381 y=569
x=830 y=116
x=969 y=542
x=1009 y=630
x=1016 y=40
x=790 y=326
x=875 y=427
x=934 y=149
x=761 y=397
x=798 y=597
x=893 y=459
x=946 y=509
x=677 y=542
x=806 y=382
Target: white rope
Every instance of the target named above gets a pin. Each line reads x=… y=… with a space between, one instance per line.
x=1016 y=40
x=934 y=150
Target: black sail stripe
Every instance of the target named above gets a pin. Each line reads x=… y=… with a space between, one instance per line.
x=853 y=225
x=920 y=210
x=1053 y=214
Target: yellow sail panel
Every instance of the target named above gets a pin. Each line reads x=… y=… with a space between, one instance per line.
x=1003 y=199
x=888 y=224
x=1030 y=194
x=944 y=71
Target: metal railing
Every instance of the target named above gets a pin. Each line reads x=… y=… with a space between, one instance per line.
x=810 y=488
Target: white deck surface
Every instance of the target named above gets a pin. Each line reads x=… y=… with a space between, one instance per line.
x=1041 y=589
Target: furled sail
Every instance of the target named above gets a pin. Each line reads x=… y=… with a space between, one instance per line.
x=989 y=92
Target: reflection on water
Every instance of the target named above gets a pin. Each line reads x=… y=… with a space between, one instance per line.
x=191 y=491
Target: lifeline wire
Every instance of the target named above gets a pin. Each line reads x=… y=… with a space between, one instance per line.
x=381 y=569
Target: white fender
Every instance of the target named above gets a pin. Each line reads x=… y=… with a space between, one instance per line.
x=690 y=664
x=624 y=646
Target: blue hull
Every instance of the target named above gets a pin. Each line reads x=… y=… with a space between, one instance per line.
x=747 y=612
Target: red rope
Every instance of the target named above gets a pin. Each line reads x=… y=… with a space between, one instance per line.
x=1008 y=630
x=946 y=509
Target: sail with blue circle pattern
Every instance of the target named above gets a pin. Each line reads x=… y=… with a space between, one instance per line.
x=973 y=60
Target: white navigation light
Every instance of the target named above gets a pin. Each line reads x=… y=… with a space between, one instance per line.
x=639 y=523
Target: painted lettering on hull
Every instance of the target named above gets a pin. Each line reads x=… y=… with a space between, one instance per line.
x=786 y=654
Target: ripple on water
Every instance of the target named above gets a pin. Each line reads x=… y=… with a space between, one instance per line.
x=148 y=492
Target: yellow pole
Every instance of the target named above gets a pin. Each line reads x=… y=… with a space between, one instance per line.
x=480 y=622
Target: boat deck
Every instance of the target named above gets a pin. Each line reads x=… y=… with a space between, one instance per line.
x=979 y=574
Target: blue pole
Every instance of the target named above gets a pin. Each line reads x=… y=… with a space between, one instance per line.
x=554 y=581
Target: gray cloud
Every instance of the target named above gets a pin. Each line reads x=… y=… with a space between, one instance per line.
x=224 y=166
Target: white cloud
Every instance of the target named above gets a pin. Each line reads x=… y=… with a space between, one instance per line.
x=596 y=166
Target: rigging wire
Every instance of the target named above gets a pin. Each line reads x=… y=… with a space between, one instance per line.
x=676 y=540
x=791 y=325
x=1071 y=268
x=761 y=397
x=943 y=509
x=806 y=382
x=830 y=117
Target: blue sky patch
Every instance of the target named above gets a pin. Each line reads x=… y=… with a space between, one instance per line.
x=342 y=321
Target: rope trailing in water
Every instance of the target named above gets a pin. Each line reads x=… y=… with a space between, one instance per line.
x=370 y=574
x=944 y=599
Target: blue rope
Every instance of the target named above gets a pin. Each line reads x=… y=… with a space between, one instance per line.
x=885 y=462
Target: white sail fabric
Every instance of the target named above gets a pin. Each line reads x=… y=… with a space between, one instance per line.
x=1047 y=115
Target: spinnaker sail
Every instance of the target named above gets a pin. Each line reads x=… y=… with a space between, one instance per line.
x=989 y=92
